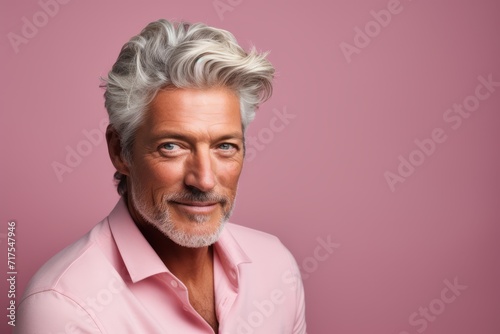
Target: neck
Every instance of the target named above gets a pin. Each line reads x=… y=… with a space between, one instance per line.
x=190 y=265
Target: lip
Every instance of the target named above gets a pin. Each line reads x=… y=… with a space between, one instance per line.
x=197 y=207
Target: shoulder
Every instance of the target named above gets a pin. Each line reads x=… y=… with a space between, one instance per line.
x=271 y=276
x=250 y=233
x=249 y=238
x=70 y=264
x=261 y=246
x=54 y=299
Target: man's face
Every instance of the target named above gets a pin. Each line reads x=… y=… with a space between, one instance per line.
x=186 y=161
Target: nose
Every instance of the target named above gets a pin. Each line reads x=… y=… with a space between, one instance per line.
x=200 y=173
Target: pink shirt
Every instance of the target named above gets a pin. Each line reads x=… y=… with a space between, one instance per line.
x=112 y=281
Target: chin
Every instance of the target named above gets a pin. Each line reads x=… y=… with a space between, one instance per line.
x=192 y=237
x=193 y=230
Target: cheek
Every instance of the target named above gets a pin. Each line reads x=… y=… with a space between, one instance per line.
x=157 y=175
x=229 y=174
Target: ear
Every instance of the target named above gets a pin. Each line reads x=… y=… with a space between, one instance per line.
x=115 y=150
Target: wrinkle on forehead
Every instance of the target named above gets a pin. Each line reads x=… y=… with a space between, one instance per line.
x=198 y=112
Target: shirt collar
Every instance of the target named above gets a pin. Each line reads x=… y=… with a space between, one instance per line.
x=231 y=255
x=140 y=258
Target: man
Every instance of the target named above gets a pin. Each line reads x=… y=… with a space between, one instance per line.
x=179 y=99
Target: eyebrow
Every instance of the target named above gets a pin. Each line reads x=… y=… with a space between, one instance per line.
x=186 y=137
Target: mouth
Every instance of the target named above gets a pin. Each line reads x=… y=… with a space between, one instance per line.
x=196 y=207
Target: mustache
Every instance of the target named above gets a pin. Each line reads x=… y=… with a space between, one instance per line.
x=195 y=195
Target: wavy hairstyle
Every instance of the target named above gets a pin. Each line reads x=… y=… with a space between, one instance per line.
x=182 y=55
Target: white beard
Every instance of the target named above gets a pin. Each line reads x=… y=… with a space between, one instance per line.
x=160 y=217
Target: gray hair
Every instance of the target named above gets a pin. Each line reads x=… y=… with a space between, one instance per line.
x=182 y=55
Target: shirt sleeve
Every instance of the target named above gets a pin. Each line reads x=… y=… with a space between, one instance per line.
x=299 y=326
x=52 y=312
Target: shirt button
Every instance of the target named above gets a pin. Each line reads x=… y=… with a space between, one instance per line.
x=174 y=283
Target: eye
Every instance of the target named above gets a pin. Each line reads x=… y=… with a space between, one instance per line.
x=226 y=146
x=170 y=149
x=169 y=146
x=228 y=149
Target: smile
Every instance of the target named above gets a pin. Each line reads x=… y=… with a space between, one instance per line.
x=197 y=207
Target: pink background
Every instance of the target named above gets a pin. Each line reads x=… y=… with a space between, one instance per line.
x=321 y=175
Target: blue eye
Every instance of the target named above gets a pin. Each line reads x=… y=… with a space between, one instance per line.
x=226 y=146
x=169 y=146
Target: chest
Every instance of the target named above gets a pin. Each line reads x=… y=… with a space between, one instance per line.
x=202 y=299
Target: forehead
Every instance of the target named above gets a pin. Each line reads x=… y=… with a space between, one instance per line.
x=197 y=110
